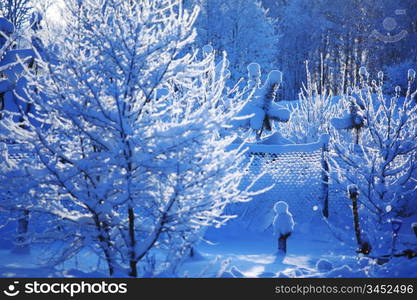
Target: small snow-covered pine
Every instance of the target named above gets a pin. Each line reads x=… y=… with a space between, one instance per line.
x=261 y=109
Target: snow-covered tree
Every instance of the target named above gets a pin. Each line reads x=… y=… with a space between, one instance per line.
x=16 y=11
x=242 y=29
x=261 y=110
x=12 y=83
x=338 y=37
x=382 y=163
x=312 y=113
x=15 y=183
x=134 y=156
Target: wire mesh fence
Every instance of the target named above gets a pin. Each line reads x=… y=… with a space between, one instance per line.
x=295 y=175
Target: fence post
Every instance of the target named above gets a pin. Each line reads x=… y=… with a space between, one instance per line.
x=364 y=245
x=325 y=175
x=22 y=246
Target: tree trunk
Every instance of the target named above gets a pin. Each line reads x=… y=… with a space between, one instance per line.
x=132 y=254
x=355 y=212
x=109 y=261
x=22 y=246
x=105 y=243
x=364 y=246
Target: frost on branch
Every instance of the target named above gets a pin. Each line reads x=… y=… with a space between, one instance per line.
x=13 y=84
x=381 y=165
x=134 y=158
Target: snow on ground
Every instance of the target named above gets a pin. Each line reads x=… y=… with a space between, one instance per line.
x=232 y=252
x=255 y=254
x=29 y=265
x=315 y=253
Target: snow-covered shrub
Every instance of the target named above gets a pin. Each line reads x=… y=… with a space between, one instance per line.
x=382 y=163
x=311 y=114
x=132 y=171
x=258 y=114
x=16 y=11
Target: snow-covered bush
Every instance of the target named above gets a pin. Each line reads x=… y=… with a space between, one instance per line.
x=258 y=114
x=382 y=163
x=131 y=171
x=311 y=114
x=16 y=11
